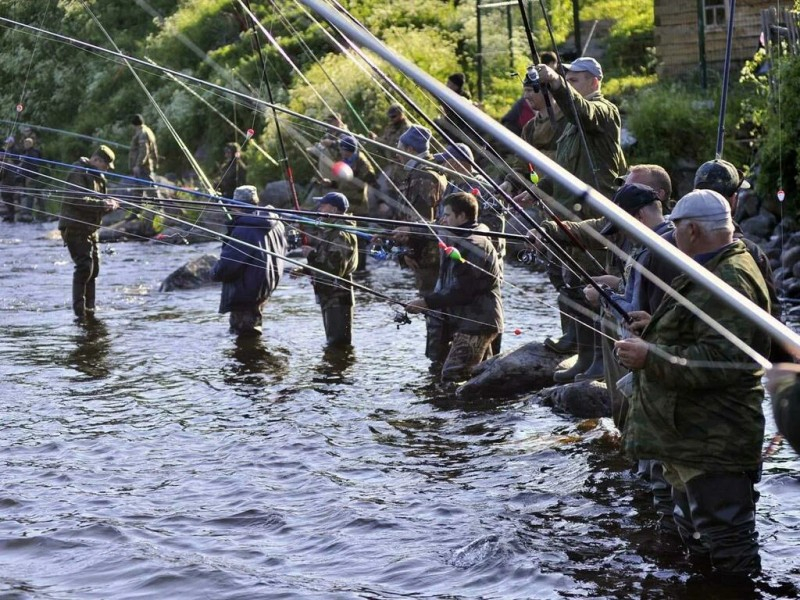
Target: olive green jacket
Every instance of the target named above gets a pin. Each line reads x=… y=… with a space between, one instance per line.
x=335 y=252
x=601 y=124
x=82 y=210
x=697 y=401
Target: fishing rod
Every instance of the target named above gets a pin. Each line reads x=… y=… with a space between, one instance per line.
x=67 y=133
x=563 y=255
x=539 y=87
x=572 y=105
x=281 y=145
x=696 y=272
x=726 y=75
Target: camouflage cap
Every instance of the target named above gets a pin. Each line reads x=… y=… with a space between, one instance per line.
x=721 y=176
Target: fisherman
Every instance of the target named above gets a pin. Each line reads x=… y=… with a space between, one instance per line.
x=722 y=177
x=327 y=150
x=232 y=171
x=335 y=251
x=696 y=403
x=29 y=166
x=422 y=189
x=9 y=179
x=143 y=154
x=579 y=94
x=355 y=187
x=249 y=265
x=456 y=128
x=467 y=292
x=81 y=213
x=389 y=179
x=522 y=111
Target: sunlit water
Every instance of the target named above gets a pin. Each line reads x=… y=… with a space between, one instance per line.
x=150 y=456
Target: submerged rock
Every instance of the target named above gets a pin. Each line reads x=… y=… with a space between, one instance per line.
x=584 y=399
x=526 y=369
x=192 y=275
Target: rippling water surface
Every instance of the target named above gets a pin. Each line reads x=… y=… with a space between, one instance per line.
x=151 y=456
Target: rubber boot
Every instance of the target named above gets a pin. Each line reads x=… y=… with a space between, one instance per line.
x=595 y=370
x=724 y=514
x=90 y=297
x=78 y=298
x=567 y=343
x=585 y=339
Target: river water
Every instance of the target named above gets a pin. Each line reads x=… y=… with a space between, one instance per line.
x=151 y=456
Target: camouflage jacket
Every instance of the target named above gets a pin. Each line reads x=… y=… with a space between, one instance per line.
x=335 y=252
x=144 y=151
x=539 y=133
x=587 y=233
x=697 y=401
x=421 y=187
x=82 y=210
x=601 y=123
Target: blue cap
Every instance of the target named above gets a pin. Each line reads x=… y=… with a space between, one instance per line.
x=348 y=143
x=337 y=200
x=417 y=137
x=459 y=152
x=587 y=64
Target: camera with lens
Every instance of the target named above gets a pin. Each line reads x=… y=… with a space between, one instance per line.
x=532 y=79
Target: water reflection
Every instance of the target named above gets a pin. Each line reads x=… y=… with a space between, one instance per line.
x=92 y=345
x=334 y=364
x=252 y=362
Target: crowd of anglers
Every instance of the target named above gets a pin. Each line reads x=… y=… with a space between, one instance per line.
x=683 y=371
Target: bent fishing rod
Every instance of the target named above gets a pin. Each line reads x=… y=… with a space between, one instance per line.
x=562 y=253
x=696 y=272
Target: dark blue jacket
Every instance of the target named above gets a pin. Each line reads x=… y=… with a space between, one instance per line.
x=247 y=267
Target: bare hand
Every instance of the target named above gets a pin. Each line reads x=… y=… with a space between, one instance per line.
x=401 y=235
x=111 y=204
x=549 y=76
x=592 y=295
x=780 y=374
x=524 y=198
x=632 y=352
x=639 y=320
x=417 y=305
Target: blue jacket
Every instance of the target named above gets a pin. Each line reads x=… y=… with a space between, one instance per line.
x=247 y=267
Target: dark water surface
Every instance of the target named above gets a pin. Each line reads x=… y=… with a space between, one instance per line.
x=150 y=456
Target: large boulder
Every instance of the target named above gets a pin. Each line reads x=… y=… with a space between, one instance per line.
x=790 y=257
x=526 y=369
x=194 y=274
x=585 y=399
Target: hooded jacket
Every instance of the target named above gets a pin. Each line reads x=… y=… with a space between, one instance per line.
x=247 y=267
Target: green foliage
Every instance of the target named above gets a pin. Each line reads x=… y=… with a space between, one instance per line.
x=676 y=124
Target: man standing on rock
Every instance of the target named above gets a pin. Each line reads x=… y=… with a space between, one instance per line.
x=143 y=156
x=81 y=212
x=467 y=293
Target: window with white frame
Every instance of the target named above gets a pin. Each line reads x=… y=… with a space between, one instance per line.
x=714 y=12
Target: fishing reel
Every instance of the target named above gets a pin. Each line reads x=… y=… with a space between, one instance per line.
x=532 y=79
x=528 y=257
x=401 y=318
x=294 y=238
x=387 y=250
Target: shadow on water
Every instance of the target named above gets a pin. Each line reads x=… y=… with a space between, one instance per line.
x=334 y=365
x=92 y=345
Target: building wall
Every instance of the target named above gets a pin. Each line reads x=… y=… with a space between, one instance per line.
x=676 y=36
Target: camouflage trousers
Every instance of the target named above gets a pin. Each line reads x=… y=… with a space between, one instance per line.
x=246 y=321
x=466 y=351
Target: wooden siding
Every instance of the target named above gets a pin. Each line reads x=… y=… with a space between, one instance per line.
x=676 y=36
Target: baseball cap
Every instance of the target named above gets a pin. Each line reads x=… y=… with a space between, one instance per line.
x=107 y=154
x=630 y=198
x=721 y=176
x=335 y=199
x=585 y=63
x=704 y=205
x=460 y=152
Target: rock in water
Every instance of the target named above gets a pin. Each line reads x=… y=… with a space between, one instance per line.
x=526 y=369
x=584 y=399
x=192 y=275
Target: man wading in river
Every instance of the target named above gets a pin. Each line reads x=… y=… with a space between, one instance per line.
x=81 y=213
x=696 y=403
